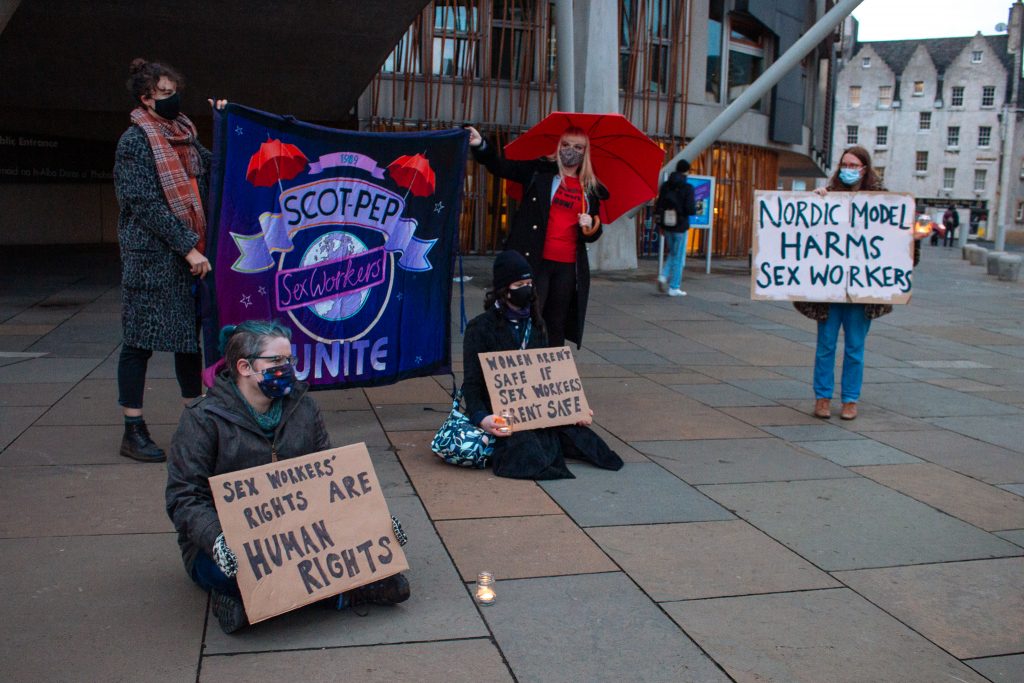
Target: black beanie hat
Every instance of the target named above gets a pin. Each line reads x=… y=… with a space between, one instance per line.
x=509 y=267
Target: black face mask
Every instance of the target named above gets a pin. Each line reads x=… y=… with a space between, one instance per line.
x=168 y=108
x=521 y=297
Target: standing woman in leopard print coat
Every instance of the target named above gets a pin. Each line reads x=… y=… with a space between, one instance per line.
x=160 y=176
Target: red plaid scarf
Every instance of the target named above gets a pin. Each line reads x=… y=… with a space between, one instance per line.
x=178 y=164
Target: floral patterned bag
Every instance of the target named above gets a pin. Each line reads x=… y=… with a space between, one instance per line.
x=459 y=442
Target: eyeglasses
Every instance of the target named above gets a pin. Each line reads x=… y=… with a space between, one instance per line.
x=276 y=360
x=852 y=167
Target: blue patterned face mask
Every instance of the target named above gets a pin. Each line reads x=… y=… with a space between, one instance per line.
x=278 y=381
x=849 y=176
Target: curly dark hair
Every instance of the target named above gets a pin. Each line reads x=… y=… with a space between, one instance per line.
x=143 y=77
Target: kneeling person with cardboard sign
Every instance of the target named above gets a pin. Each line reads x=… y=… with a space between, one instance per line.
x=250 y=460
x=508 y=369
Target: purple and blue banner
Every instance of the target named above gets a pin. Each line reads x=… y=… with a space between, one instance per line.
x=345 y=237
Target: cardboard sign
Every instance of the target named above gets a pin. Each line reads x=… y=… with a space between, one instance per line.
x=306 y=528
x=845 y=247
x=538 y=387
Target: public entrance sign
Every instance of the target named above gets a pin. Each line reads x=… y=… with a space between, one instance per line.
x=845 y=247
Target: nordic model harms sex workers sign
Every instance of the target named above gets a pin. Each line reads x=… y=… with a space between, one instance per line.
x=345 y=237
x=843 y=247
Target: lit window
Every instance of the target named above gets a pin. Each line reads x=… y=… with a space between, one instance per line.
x=953 y=136
x=957 y=96
x=882 y=136
x=455 y=48
x=976 y=57
x=988 y=96
x=865 y=63
x=948 y=178
x=880 y=172
x=921 y=164
x=980 y=175
x=925 y=121
x=885 y=96
x=854 y=95
x=851 y=135
x=984 y=136
x=918 y=88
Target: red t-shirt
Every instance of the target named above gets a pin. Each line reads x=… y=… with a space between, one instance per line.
x=563 y=222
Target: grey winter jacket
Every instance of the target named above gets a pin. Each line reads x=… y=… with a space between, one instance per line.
x=216 y=434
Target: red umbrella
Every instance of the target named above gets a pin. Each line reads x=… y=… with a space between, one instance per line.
x=626 y=161
x=414 y=173
x=273 y=162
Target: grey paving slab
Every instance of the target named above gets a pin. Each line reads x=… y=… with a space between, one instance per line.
x=392 y=477
x=99 y=608
x=721 y=395
x=963 y=454
x=819 y=432
x=440 y=606
x=84 y=499
x=1013 y=536
x=75 y=445
x=1013 y=488
x=94 y=402
x=33 y=394
x=14 y=421
x=856 y=524
x=999 y=669
x=917 y=399
x=47 y=370
x=728 y=461
x=352 y=426
x=778 y=388
x=813 y=637
x=405 y=418
x=1005 y=431
x=455 y=661
x=639 y=493
x=621 y=637
x=859 y=452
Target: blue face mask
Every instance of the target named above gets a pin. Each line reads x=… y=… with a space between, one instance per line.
x=277 y=382
x=849 y=176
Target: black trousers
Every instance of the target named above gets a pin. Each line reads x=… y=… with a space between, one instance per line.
x=131 y=375
x=950 y=237
x=556 y=289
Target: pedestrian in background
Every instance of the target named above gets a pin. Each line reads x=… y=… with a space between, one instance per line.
x=951 y=221
x=673 y=208
x=160 y=177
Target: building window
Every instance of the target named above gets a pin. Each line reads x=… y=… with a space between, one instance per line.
x=512 y=38
x=644 y=44
x=747 y=54
x=925 y=121
x=918 y=88
x=979 y=179
x=1020 y=212
x=948 y=178
x=1022 y=170
x=405 y=58
x=984 y=136
x=921 y=165
x=884 y=96
x=953 y=136
x=865 y=63
x=976 y=57
x=880 y=172
x=988 y=96
x=455 y=42
x=854 y=96
x=713 y=78
x=851 y=135
x=881 y=136
x=957 y=96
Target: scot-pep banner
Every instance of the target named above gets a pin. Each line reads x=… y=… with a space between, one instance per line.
x=346 y=237
x=855 y=247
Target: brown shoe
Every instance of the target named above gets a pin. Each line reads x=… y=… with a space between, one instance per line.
x=823 y=408
x=849 y=411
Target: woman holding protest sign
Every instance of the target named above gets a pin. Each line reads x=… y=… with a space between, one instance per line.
x=855 y=174
x=511 y=320
x=557 y=218
x=256 y=413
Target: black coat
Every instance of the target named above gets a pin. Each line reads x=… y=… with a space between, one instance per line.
x=530 y=224
x=216 y=434
x=676 y=194
x=533 y=454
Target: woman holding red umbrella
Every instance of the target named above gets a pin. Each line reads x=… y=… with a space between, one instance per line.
x=558 y=217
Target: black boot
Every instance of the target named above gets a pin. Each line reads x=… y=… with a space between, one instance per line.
x=229 y=611
x=138 y=445
x=389 y=591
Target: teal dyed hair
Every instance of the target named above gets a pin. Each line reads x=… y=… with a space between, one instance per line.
x=248 y=339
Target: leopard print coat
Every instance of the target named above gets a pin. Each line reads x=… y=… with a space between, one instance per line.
x=158 y=302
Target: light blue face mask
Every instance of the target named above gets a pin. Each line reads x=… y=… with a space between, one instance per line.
x=849 y=176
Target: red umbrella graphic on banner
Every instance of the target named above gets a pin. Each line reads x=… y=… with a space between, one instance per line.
x=273 y=162
x=413 y=173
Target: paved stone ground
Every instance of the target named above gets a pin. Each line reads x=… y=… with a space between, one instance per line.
x=742 y=541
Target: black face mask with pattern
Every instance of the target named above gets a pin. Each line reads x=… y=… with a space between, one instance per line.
x=570 y=157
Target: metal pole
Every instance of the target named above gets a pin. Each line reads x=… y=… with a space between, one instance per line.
x=566 y=56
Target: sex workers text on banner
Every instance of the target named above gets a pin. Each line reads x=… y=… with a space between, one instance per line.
x=345 y=237
x=844 y=247
x=304 y=529
x=535 y=387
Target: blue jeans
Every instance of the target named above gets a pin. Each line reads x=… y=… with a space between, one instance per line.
x=676 y=261
x=208 y=576
x=855 y=331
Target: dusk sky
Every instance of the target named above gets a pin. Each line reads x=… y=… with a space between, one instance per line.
x=900 y=19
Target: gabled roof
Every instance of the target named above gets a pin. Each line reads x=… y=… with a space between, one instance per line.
x=896 y=53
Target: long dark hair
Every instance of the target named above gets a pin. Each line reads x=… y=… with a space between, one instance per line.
x=500 y=297
x=868 y=181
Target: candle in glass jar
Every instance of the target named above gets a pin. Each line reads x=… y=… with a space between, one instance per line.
x=506 y=416
x=485 y=588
